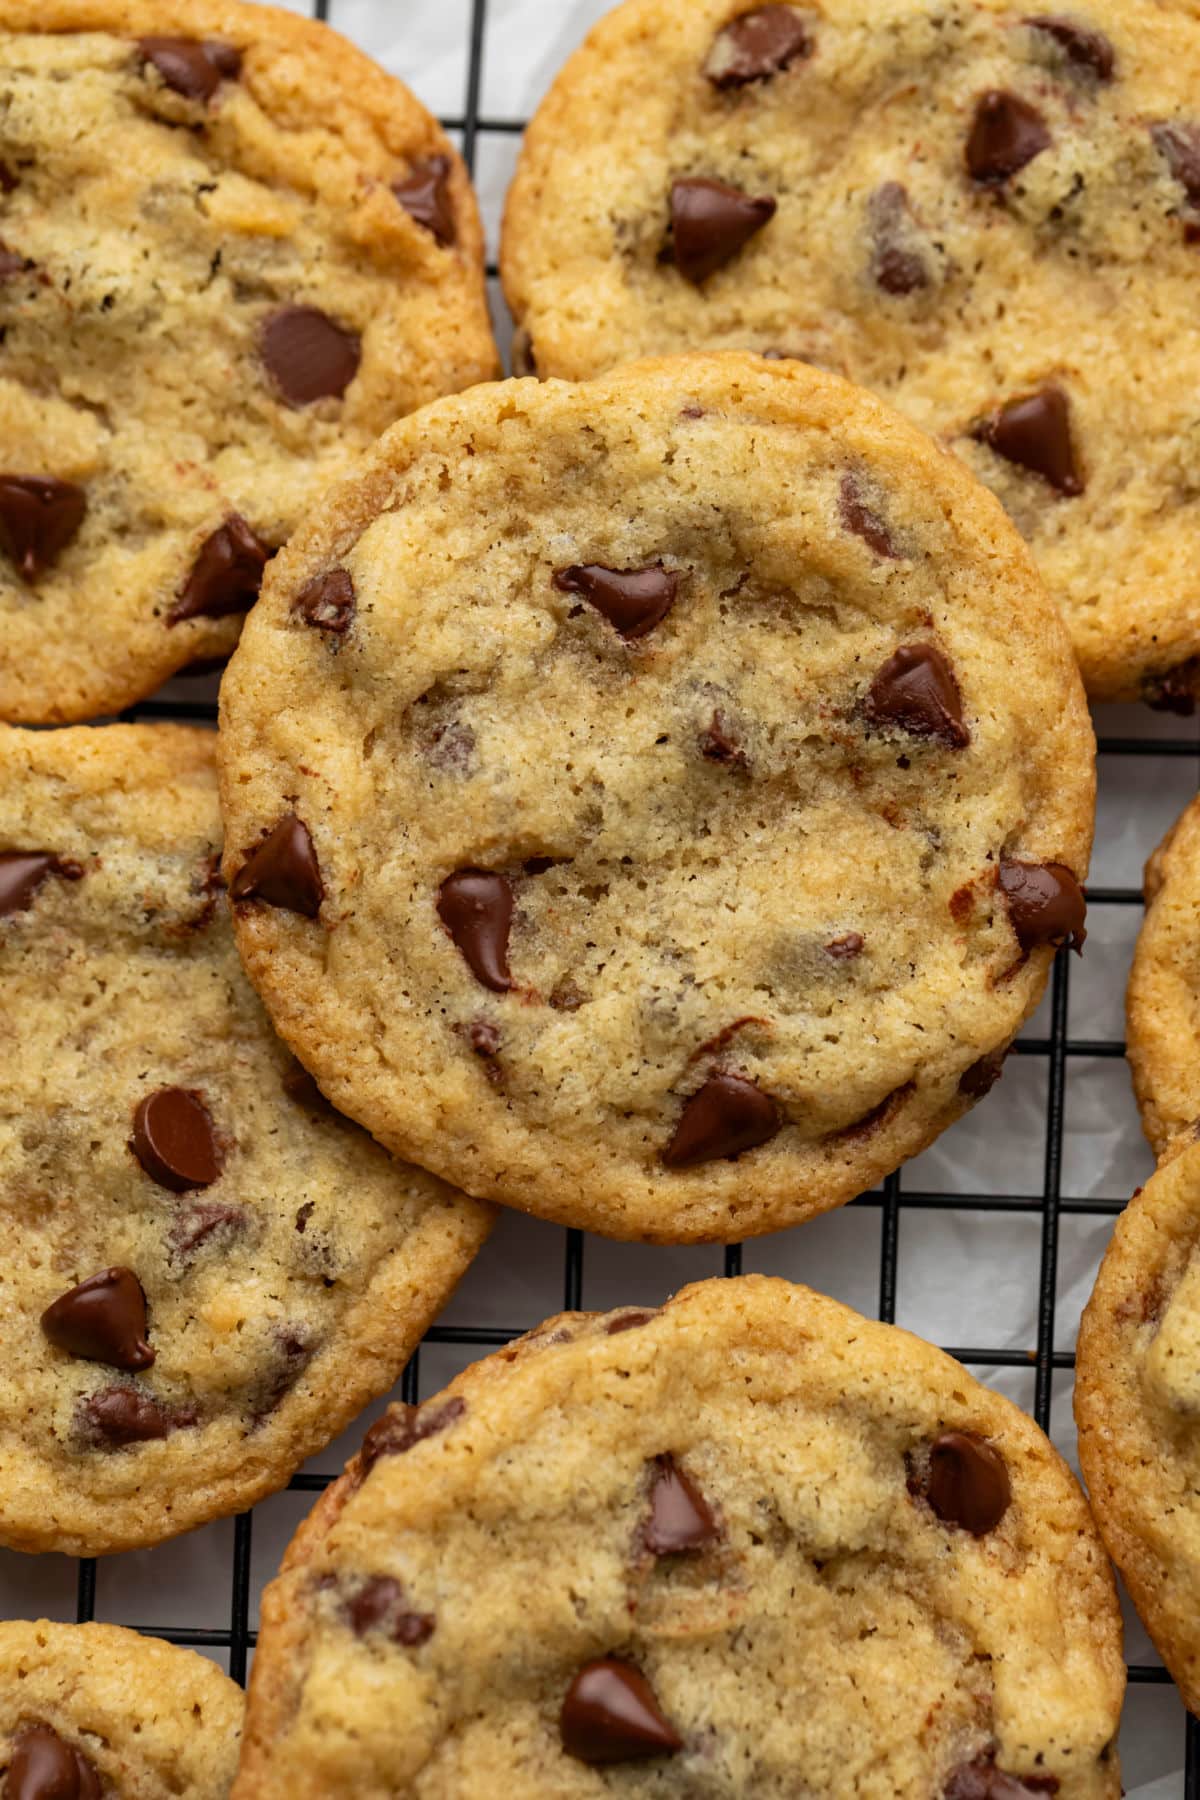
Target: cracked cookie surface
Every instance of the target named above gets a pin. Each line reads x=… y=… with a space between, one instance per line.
x=751 y=1545
x=204 y=1272
x=654 y=804
x=232 y=250
x=1163 y=999
x=985 y=210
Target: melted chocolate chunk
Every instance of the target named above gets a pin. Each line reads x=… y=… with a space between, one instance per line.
x=718 y=744
x=1006 y=134
x=610 y=1715
x=225 y=576
x=22 y=873
x=846 y=947
x=1035 y=433
x=193 y=68
x=379 y=1606
x=175 y=1140
x=283 y=871
x=1083 y=47
x=863 y=520
x=484 y=1039
x=292 y=1351
x=476 y=907
x=895 y=266
x=1175 y=692
x=102 y=1320
x=43 y=1767
x=758 y=45
x=328 y=602
x=628 y=1321
x=119 y=1416
x=39 y=517
x=916 y=691
x=403 y=1426
x=680 y=1519
x=711 y=222
x=982 y=1076
x=633 y=601
x=879 y=1115
x=192 y=1228
x=982 y=1780
x=1179 y=145
x=8 y=179
x=308 y=355
x=1046 y=904
x=425 y=196
x=728 y=1116
x=967 y=1482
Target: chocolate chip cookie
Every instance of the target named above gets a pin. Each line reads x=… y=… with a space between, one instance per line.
x=232 y=250
x=751 y=1545
x=985 y=210
x=88 y=1711
x=1136 y=1404
x=205 y=1272
x=1163 y=1001
x=655 y=804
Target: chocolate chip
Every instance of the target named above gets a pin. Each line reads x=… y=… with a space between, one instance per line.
x=8 y=179
x=567 y=997
x=483 y=1037
x=633 y=601
x=1082 y=46
x=895 y=266
x=379 y=1606
x=680 y=1517
x=102 y=1320
x=39 y=517
x=879 y=1115
x=1045 y=904
x=758 y=45
x=175 y=1140
x=982 y=1780
x=192 y=1228
x=610 y=1715
x=225 y=576
x=1006 y=134
x=846 y=947
x=283 y=870
x=403 y=1426
x=476 y=907
x=13 y=263
x=22 y=873
x=718 y=744
x=309 y=355
x=860 y=518
x=1035 y=433
x=425 y=196
x=1179 y=145
x=627 y=1321
x=118 y=1416
x=292 y=1349
x=43 y=1767
x=1174 y=692
x=916 y=691
x=727 y=1116
x=967 y=1482
x=710 y=223
x=192 y=68
x=328 y=602
x=982 y=1076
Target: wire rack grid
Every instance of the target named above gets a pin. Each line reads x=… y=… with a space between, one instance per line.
x=1017 y=1172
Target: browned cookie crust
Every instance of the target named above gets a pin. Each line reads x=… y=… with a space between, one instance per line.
x=1163 y=1000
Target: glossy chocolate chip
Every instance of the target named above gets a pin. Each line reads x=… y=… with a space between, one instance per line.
x=292 y=1349
x=726 y=1117
x=1179 y=146
x=610 y=1715
x=1045 y=904
x=862 y=519
x=633 y=601
x=22 y=873
x=309 y=355
x=102 y=1320
x=757 y=45
x=175 y=1140
x=328 y=602
x=627 y=1321
x=379 y=1606
x=1173 y=692
x=711 y=222
x=476 y=907
x=1006 y=134
x=718 y=743
x=896 y=267
x=403 y=1426
x=43 y=1767
x=1035 y=433
x=846 y=947
x=982 y=1780
x=1083 y=47
x=982 y=1076
x=283 y=871
x=916 y=691
x=39 y=517
x=680 y=1517
x=193 y=68
x=119 y=1416
x=225 y=576
x=967 y=1482
x=425 y=196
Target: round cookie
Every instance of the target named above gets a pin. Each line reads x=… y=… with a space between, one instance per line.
x=667 y=828
x=232 y=250
x=1163 y=999
x=987 y=212
x=92 y=1710
x=749 y=1545
x=1136 y=1403
x=204 y=1272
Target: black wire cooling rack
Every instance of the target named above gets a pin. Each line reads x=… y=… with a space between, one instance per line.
x=1051 y=1206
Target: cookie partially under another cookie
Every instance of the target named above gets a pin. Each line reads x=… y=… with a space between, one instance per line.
x=654 y=804
x=204 y=1272
x=989 y=212
x=232 y=250
x=1163 y=998
x=748 y=1546
x=89 y=1711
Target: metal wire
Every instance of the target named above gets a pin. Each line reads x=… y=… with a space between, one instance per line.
x=1050 y=1205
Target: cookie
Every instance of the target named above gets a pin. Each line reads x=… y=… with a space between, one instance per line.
x=92 y=1710
x=654 y=804
x=1136 y=1407
x=206 y=1273
x=1163 y=999
x=232 y=250
x=986 y=211
x=749 y=1545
